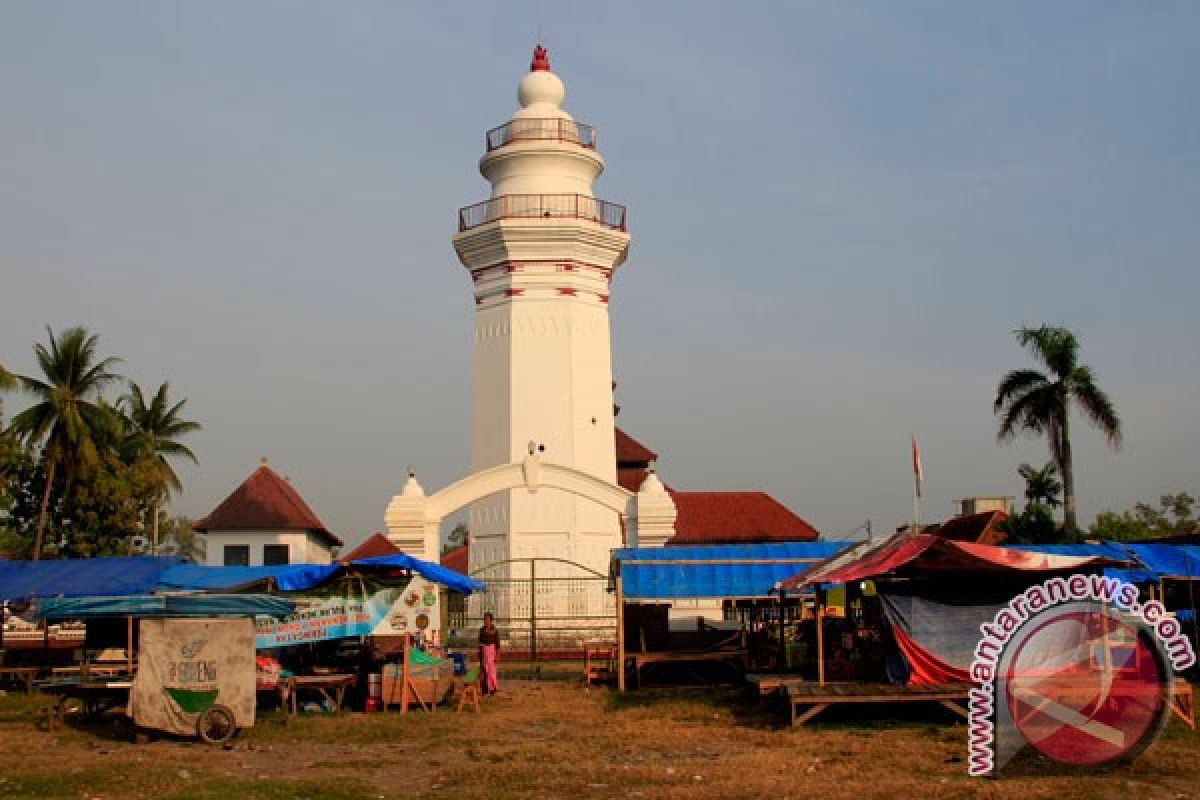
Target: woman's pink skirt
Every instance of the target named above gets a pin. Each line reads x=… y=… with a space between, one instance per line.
x=488 y=656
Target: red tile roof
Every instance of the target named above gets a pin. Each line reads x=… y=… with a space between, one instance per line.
x=374 y=545
x=265 y=502
x=630 y=478
x=981 y=528
x=631 y=452
x=456 y=559
x=736 y=518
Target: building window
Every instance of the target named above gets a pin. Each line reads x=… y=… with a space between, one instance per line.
x=275 y=554
x=237 y=555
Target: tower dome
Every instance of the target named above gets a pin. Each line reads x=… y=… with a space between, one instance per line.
x=541 y=92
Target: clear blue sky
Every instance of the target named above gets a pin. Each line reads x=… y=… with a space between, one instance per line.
x=839 y=213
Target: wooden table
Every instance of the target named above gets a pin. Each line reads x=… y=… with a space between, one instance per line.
x=807 y=699
x=23 y=675
x=331 y=687
x=640 y=660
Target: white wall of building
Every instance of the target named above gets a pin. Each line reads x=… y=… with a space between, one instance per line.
x=303 y=546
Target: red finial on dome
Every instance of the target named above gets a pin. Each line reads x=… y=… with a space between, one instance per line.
x=541 y=60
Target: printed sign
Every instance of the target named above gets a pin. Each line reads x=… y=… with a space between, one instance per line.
x=361 y=610
x=186 y=666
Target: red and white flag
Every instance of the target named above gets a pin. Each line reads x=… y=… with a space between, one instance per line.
x=918 y=474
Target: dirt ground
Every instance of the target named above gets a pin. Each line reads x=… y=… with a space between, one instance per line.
x=553 y=739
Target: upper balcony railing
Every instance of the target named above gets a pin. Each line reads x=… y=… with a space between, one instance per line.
x=558 y=130
x=549 y=206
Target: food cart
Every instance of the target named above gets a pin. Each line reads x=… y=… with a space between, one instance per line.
x=191 y=664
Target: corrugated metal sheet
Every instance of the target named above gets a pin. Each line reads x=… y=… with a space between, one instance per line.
x=727 y=571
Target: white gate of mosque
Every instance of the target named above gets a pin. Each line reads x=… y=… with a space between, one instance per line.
x=540 y=601
x=543 y=606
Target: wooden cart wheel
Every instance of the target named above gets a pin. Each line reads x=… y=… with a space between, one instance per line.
x=216 y=725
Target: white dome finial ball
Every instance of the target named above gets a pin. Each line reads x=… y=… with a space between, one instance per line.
x=541 y=88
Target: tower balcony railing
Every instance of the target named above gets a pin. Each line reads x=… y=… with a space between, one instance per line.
x=535 y=129
x=549 y=206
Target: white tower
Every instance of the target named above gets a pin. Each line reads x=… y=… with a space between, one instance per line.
x=541 y=253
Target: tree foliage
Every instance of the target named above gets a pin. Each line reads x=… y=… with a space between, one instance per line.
x=1041 y=485
x=1175 y=515
x=80 y=475
x=1041 y=403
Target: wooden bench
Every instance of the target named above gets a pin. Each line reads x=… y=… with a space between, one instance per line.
x=807 y=700
x=640 y=660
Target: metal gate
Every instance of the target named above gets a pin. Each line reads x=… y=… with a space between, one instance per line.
x=545 y=608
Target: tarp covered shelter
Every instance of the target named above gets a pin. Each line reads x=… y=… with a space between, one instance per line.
x=936 y=592
x=163 y=605
x=925 y=555
x=725 y=571
x=144 y=575
x=298 y=577
x=82 y=577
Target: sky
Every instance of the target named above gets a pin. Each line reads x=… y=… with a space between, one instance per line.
x=840 y=213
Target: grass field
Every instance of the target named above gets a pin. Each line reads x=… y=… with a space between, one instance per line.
x=555 y=739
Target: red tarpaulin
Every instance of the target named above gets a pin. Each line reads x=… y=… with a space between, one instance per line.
x=914 y=555
x=926 y=668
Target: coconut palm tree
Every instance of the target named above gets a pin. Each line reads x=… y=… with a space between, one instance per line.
x=154 y=432
x=1040 y=403
x=7 y=379
x=67 y=414
x=1041 y=485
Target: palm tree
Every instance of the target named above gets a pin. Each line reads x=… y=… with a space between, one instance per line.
x=154 y=431
x=1041 y=485
x=7 y=379
x=1032 y=401
x=67 y=415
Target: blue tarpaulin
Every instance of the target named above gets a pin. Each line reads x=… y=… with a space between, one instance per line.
x=729 y=571
x=1152 y=561
x=455 y=581
x=82 y=577
x=298 y=577
x=285 y=577
x=1168 y=560
x=164 y=605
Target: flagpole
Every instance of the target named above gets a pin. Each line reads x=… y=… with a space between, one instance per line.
x=917 y=476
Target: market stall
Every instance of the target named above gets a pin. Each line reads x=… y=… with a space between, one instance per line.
x=739 y=577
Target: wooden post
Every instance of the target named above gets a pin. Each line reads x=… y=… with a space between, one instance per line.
x=404 y=675
x=820 y=613
x=620 y=633
x=129 y=644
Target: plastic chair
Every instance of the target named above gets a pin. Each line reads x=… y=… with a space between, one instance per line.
x=469 y=692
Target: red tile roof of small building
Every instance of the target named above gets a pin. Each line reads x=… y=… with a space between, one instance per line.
x=981 y=528
x=265 y=502
x=373 y=546
x=457 y=559
x=736 y=518
x=630 y=478
x=631 y=452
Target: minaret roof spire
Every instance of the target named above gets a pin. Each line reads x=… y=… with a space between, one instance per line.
x=541 y=59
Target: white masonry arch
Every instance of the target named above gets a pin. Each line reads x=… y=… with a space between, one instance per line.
x=413 y=518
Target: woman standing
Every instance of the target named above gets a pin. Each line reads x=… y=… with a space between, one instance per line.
x=489 y=654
